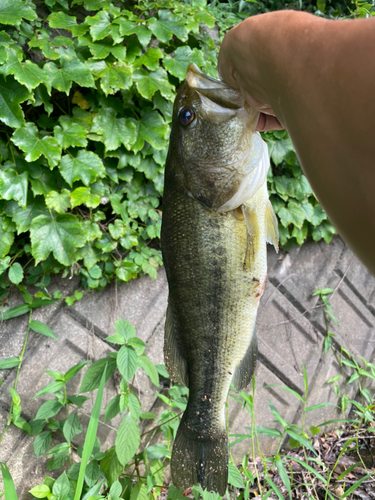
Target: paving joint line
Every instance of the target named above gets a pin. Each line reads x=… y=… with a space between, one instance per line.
x=302 y=309
x=272 y=368
x=355 y=291
x=84 y=322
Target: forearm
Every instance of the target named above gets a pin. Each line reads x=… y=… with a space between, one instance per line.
x=318 y=77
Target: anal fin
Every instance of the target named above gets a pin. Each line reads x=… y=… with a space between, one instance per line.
x=245 y=370
x=272 y=227
x=175 y=362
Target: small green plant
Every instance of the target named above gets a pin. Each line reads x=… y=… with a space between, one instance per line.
x=351 y=370
x=328 y=315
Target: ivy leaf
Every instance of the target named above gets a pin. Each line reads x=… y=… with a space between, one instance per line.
x=318 y=216
x=41 y=97
x=87 y=167
x=44 y=182
x=115 y=77
x=183 y=56
x=12 y=12
x=130 y=28
x=100 y=50
x=6 y=240
x=115 y=131
x=62 y=21
x=117 y=230
x=308 y=209
x=279 y=149
x=27 y=139
x=149 y=167
x=58 y=201
x=166 y=26
x=23 y=217
x=300 y=234
x=60 y=235
x=26 y=72
x=293 y=213
x=127 y=439
x=150 y=59
x=325 y=230
x=11 y=95
x=148 y=83
x=13 y=186
x=83 y=195
x=166 y=107
x=72 y=70
x=100 y=25
x=150 y=128
x=70 y=133
x=15 y=273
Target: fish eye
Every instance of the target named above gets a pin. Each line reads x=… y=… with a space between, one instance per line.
x=186 y=116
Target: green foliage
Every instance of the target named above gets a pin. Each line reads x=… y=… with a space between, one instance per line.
x=85 y=108
x=86 y=93
x=299 y=212
x=116 y=473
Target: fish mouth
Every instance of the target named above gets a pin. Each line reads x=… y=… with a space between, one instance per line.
x=213 y=89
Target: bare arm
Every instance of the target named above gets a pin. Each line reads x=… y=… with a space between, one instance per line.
x=317 y=77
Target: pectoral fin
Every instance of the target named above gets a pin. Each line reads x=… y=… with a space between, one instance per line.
x=272 y=227
x=245 y=370
x=175 y=361
x=252 y=232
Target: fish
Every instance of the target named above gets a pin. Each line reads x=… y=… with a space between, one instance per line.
x=216 y=221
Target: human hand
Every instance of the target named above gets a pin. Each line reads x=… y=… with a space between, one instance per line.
x=233 y=69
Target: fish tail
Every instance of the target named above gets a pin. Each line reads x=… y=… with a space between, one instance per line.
x=200 y=460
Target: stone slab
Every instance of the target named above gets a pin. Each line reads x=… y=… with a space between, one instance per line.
x=142 y=302
x=358 y=278
x=239 y=419
x=75 y=344
x=286 y=339
x=356 y=329
x=13 y=331
x=302 y=270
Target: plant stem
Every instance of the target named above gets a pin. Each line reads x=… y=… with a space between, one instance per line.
x=9 y=421
x=67 y=416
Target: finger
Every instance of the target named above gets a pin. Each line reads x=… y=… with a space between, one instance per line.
x=268 y=122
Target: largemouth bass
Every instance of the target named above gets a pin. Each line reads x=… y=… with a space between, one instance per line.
x=216 y=221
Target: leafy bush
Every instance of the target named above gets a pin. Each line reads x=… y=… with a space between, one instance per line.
x=86 y=92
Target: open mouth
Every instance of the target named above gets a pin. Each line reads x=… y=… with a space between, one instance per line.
x=215 y=90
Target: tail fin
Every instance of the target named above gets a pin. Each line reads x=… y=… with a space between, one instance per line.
x=202 y=460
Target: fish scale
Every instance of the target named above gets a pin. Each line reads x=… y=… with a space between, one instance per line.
x=216 y=267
